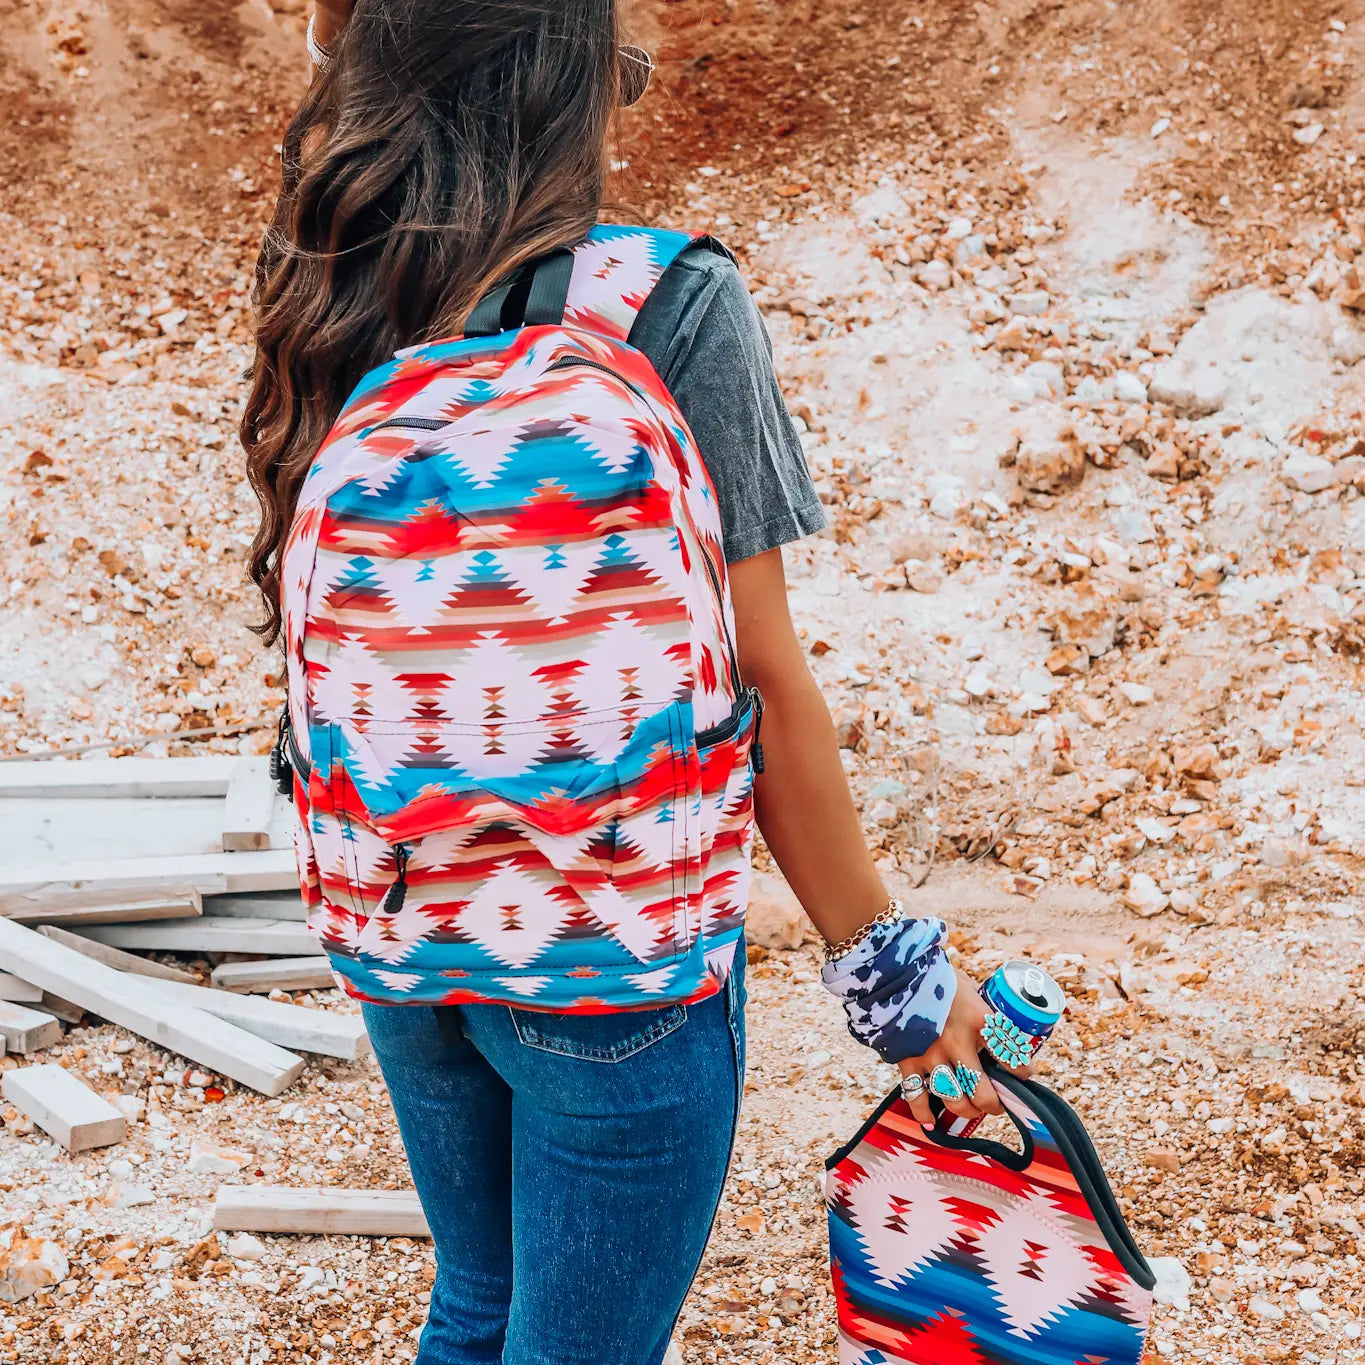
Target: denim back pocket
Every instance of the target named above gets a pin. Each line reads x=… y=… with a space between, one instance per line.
x=596 y=1037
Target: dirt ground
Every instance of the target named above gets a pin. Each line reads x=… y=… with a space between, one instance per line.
x=1069 y=298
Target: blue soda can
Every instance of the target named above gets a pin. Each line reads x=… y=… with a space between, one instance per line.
x=1031 y=1000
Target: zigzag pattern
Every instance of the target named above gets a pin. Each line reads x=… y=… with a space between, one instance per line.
x=945 y=1257
x=508 y=623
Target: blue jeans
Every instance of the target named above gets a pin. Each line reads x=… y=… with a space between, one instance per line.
x=570 y=1167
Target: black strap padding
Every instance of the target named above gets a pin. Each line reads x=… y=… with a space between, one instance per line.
x=549 y=294
x=534 y=295
x=486 y=319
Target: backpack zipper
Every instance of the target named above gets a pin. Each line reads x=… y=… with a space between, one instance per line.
x=717 y=734
x=415 y=423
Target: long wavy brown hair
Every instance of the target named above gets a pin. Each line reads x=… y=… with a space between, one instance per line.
x=448 y=142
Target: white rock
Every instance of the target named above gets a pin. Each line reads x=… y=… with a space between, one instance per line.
x=1348 y=344
x=775 y=919
x=1218 y=1127
x=1190 y=390
x=129 y=1106
x=1309 y=1300
x=1160 y=126
x=768 y=1287
x=310 y=1277
x=958 y=228
x=1134 y=527
x=947 y=494
x=1047 y=379
x=970 y=249
x=245 y=1247
x=1137 y=693
x=208 y=1158
x=1018 y=389
x=30 y=1264
x=1030 y=303
x=126 y=1195
x=978 y=683
x=1173 y=1283
x=1144 y=896
x=1156 y=830
x=1308 y=134
x=926 y=578
x=1128 y=388
x=1308 y=473
x=935 y=274
x=1265 y=1310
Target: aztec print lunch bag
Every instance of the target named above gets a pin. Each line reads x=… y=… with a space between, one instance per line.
x=963 y=1251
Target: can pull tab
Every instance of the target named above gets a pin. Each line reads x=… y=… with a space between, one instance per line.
x=1034 y=987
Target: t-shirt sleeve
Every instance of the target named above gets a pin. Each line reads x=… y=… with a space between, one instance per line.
x=706 y=339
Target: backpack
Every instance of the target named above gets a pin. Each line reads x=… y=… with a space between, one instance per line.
x=951 y=1249
x=522 y=754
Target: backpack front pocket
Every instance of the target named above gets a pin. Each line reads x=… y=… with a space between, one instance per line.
x=523 y=849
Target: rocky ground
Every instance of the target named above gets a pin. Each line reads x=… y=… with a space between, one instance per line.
x=1068 y=299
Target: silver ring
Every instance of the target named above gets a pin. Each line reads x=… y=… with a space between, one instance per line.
x=968 y=1078
x=944 y=1083
x=912 y=1086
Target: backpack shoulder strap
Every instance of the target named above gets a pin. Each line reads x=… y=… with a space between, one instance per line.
x=614 y=271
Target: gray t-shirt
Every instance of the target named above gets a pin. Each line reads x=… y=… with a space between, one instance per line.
x=705 y=337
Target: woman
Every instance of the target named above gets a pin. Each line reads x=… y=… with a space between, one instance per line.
x=570 y=1163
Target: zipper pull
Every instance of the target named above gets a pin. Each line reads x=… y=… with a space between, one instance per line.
x=756 y=749
x=281 y=770
x=398 y=892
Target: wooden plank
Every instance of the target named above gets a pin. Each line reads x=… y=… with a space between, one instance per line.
x=26 y=1030
x=206 y=775
x=355 y=1213
x=275 y=973
x=210 y=934
x=249 y=807
x=296 y=1027
x=209 y=873
x=20 y=992
x=263 y=905
x=106 y=907
x=116 y=957
x=56 y=831
x=131 y=1003
x=64 y=1106
x=63 y=1009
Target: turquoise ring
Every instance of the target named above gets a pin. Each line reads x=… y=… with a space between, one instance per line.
x=968 y=1078
x=944 y=1083
x=912 y=1087
x=1006 y=1041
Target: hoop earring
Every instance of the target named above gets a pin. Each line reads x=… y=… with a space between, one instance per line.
x=637 y=69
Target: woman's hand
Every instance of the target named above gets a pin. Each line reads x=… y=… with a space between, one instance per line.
x=959 y=1044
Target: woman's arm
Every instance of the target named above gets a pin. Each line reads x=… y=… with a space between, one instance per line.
x=806 y=810
x=803 y=802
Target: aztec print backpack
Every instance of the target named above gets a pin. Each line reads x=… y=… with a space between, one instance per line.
x=522 y=754
x=963 y=1251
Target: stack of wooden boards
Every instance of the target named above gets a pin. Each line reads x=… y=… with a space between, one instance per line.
x=106 y=859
